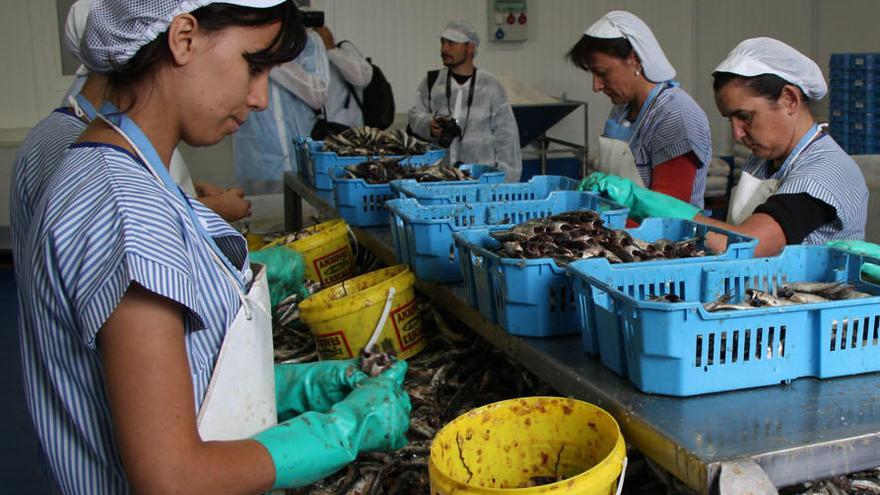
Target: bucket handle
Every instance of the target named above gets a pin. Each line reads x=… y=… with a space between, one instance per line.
x=354 y=241
x=622 y=476
x=382 y=319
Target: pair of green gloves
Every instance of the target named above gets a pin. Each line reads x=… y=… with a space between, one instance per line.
x=330 y=411
x=644 y=203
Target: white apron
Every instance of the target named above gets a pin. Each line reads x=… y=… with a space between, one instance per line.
x=615 y=155
x=240 y=401
x=751 y=192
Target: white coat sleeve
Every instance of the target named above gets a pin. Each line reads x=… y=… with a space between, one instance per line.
x=308 y=75
x=351 y=63
x=506 y=133
x=420 y=115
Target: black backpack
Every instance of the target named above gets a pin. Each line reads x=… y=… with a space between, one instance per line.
x=378 y=103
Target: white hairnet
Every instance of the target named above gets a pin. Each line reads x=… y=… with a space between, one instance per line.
x=621 y=24
x=117 y=29
x=757 y=56
x=75 y=25
x=461 y=32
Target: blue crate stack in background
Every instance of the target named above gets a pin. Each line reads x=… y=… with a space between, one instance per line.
x=855 y=102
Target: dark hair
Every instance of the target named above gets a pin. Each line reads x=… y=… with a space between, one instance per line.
x=769 y=86
x=582 y=52
x=288 y=43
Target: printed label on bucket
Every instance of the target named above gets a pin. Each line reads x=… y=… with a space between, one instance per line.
x=334 y=267
x=333 y=346
x=407 y=325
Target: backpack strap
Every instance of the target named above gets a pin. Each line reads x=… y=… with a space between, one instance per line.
x=432 y=78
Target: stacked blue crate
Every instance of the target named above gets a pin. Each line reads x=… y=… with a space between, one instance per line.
x=855 y=102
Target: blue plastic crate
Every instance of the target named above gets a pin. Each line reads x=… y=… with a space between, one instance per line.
x=362 y=204
x=424 y=232
x=849 y=61
x=870 y=148
x=865 y=129
x=535 y=297
x=681 y=349
x=317 y=165
x=429 y=193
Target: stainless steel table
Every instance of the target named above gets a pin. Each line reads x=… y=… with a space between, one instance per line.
x=807 y=430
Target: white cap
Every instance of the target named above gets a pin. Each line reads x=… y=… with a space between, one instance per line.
x=620 y=24
x=74 y=28
x=461 y=32
x=758 y=56
x=117 y=29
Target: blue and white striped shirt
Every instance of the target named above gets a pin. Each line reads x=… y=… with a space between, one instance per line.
x=674 y=126
x=37 y=158
x=826 y=172
x=102 y=223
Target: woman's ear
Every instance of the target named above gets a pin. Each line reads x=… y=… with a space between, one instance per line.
x=791 y=98
x=181 y=38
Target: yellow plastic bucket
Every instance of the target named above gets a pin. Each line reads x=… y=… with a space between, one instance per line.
x=327 y=252
x=342 y=317
x=514 y=445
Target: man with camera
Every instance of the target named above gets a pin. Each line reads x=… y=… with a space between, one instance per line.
x=465 y=109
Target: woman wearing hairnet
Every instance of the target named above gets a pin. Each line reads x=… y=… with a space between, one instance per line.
x=656 y=134
x=799 y=186
x=146 y=344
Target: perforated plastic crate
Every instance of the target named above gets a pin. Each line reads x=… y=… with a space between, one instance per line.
x=535 y=297
x=428 y=193
x=424 y=232
x=681 y=349
x=317 y=165
x=362 y=204
x=849 y=61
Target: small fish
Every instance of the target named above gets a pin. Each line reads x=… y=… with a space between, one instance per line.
x=760 y=298
x=812 y=287
x=806 y=298
x=668 y=298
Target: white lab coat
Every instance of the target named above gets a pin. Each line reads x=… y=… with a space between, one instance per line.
x=263 y=146
x=347 y=64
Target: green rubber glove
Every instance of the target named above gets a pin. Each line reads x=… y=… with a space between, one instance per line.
x=870 y=271
x=313 y=445
x=285 y=272
x=316 y=386
x=642 y=202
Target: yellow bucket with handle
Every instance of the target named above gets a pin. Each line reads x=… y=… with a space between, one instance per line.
x=327 y=252
x=531 y=445
x=344 y=317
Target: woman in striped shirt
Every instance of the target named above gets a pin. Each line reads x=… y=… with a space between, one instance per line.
x=656 y=134
x=131 y=287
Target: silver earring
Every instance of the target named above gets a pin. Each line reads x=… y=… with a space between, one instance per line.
x=638 y=72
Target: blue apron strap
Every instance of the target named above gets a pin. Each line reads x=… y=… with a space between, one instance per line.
x=156 y=166
x=86 y=106
x=643 y=112
x=815 y=131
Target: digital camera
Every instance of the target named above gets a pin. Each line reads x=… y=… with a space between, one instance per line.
x=313 y=18
x=449 y=130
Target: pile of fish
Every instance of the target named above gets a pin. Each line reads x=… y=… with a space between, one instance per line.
x=369 y=141
x=578 y=235
x=455 y=373
x=863 y=482
x=384 y=170
x=787 y=295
